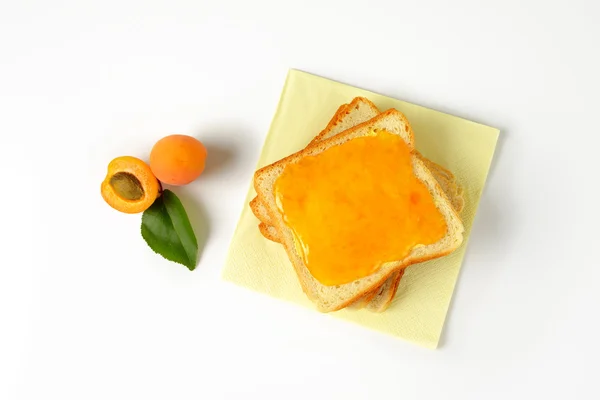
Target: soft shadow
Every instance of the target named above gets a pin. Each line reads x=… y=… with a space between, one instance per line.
x=197 y=215
x=219 y=156
x=228 y=147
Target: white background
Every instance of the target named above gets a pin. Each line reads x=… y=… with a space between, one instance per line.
x=87 y=311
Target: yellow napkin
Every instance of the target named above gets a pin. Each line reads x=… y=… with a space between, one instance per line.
x=419 y=309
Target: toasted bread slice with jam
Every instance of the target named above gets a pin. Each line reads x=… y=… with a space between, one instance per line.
x=332 y=298
x=347 y=116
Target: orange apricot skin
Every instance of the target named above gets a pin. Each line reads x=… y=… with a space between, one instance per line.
x=139 y=169
x=178 y=159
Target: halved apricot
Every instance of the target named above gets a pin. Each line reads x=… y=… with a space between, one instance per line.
x=129 y=186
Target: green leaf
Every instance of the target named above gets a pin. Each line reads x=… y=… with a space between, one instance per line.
x=167 y=230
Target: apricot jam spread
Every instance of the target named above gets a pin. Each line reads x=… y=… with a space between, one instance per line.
x=356 y=206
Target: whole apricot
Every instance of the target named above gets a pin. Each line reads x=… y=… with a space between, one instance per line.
x=129 y=186
x=178 y=159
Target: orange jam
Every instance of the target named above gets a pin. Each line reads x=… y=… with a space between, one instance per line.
x=356 y=206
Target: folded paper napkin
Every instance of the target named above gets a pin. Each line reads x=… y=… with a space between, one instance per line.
x=466 y=148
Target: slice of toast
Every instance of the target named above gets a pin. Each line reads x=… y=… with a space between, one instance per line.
x=358 y=111
x=332 y=298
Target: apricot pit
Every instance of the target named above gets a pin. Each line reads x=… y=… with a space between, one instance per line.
x=129 y=186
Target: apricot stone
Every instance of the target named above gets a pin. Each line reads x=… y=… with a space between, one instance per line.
x=129 y=186
x=178 y=159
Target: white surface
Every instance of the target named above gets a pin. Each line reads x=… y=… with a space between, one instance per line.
x=88 y=312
